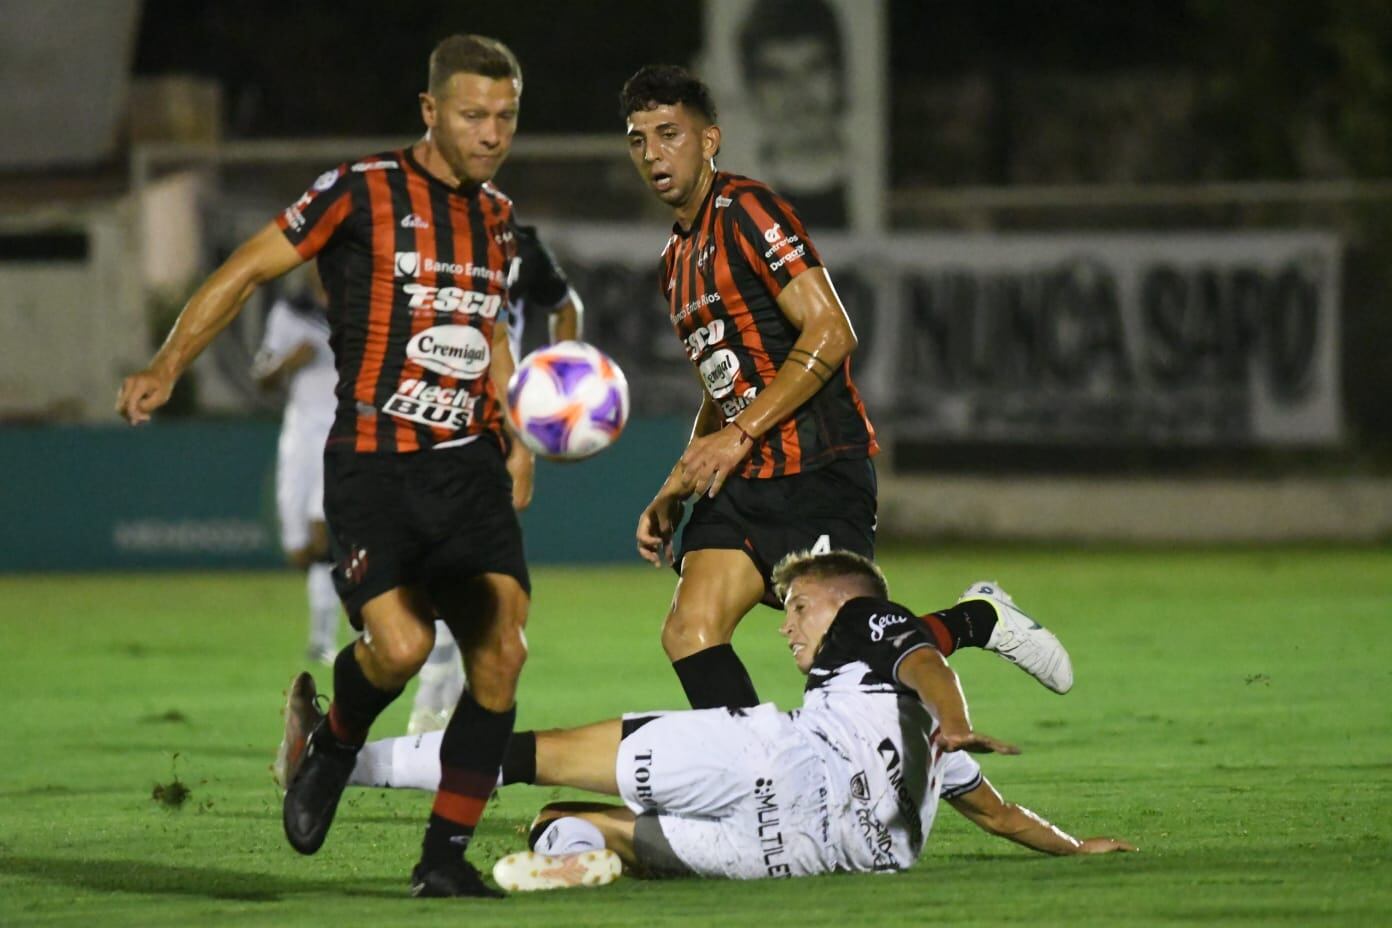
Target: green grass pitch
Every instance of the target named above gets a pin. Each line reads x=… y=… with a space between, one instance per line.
x=1231 y=716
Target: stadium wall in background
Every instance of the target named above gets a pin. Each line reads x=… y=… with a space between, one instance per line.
x=202 y=495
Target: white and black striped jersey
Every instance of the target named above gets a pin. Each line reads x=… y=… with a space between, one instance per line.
x=885 y=773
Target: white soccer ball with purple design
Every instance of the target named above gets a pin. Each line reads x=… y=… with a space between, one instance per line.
x=568 y=401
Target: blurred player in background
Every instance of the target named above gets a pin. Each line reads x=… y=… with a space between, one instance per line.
x=850 y=781
x=420 y=476
x=295 y=353
x=780 y=450
x=540 y=286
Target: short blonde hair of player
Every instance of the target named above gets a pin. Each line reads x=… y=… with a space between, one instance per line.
x=829 y=565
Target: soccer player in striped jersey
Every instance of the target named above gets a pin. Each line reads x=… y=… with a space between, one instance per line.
x=414 y=247
x=780 y=450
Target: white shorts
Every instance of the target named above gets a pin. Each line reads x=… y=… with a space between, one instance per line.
x=726 y=793
x=299 y=487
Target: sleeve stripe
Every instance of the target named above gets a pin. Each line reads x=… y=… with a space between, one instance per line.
x=917 y=647
x=961 y=790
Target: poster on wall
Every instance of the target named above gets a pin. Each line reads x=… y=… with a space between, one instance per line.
x=802 y=94
x=1143 y=338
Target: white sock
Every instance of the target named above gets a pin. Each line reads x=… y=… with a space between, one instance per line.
x=323 y=607
x=410 y=762
x=569 y=835
x=442 y=677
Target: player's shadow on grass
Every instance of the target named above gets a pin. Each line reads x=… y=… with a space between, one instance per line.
x=141 y=876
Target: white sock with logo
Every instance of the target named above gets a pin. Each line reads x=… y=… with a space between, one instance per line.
x=410 y=762
x=569 y=835
x=323 y=607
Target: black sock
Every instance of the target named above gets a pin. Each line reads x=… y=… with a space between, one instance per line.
x=970 y=623
x=714 y=678
x=356 y=701
x=470 y=755
x=519 y=758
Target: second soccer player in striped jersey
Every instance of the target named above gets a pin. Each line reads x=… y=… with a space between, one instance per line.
x=780 y=451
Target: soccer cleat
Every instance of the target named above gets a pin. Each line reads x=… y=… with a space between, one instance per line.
x=529 y=871
x=301 y=715
x=1023 y=641
x=424 y=719
x=312 y=797
x=453 y=879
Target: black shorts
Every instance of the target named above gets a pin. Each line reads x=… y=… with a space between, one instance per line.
x=429 y=519
x=770 y=518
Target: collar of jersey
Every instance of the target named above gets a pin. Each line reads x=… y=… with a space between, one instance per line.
x=463 y=190
x=716 y=183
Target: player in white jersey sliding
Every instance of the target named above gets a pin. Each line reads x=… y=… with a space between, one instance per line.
x=295 y=351
x=851 y=781
x=540 y=286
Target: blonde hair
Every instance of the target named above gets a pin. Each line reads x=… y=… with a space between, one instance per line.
x=827 y=566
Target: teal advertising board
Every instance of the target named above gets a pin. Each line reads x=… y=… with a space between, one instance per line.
x=202 y=495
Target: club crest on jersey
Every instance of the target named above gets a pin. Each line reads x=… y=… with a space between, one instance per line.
x=501 y=234
x=704 y=257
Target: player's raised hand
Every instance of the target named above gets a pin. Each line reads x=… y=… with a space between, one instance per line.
x=710 y=459
x=141 y=394
x=975 y=742
x=1103 y=846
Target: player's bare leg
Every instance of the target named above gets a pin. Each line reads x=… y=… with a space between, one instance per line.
x=487 y=615
x=716 y=589
x=368 y=675
x=582 y=758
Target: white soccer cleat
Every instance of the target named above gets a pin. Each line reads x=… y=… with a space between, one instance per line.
x=301 y=715
x=1023 y=641
x=528 y=871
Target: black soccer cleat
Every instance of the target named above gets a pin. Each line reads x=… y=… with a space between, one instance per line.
x=458 y=878
x=312 y=797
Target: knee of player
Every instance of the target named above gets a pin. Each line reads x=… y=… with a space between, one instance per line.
x=401 y=655
x=684 y=633
x=509 y=653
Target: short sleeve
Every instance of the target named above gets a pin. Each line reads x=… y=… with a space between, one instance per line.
x=541 y=282
x=960 y=774
x=880 y=633
x=311 y=221
x=771 y=237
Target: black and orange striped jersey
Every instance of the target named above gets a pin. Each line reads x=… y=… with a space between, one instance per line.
x=417 y=274
x=721 y=279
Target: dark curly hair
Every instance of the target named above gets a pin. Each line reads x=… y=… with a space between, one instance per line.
x=665 y=85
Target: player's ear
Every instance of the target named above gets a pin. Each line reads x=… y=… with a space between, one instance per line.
x=710 y=142
x=427 y=106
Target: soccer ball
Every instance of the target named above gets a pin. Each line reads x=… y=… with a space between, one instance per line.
x=567 y=401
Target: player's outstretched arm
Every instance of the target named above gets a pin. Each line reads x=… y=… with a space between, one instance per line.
x=264 y=256
x=824 y=341
x=521 y=463
x=988 y=811
x=927 y=672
